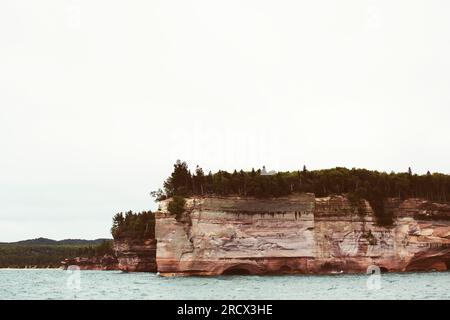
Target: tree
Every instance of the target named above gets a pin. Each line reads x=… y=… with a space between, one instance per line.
x=199 y=180
x=106 y=247
x=134 y=225
x=118 y=222
x=180 y=181
x=159 y=195
x=176 y=206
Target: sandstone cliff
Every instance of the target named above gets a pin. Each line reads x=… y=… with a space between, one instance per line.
x=130 y=255
x=300 y=234
x=136 y=255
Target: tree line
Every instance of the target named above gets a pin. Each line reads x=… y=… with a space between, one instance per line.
x=48 y=255
x=358 y=184
x=363 y=182
x=106 y=247
x=133 y=225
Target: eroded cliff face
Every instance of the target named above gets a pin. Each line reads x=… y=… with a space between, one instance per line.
x=136 y=255
x=300 y=234
x=130 y=255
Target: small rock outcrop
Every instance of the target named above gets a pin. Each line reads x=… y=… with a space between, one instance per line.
x=106 y=262
x=135 y=255
x=130 y=255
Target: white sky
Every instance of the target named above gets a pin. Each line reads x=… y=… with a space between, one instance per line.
x=99 y=98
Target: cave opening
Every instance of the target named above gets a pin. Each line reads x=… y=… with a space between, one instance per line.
x=236 y=271
x=384 y=270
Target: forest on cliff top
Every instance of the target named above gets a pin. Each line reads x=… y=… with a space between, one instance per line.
x=358 y=184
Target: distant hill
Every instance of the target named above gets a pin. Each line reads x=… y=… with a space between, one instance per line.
x=44 y=253
x=46 y=241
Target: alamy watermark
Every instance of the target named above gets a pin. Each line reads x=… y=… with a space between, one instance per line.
x=73 y=281
x=374 y=280
x=374 y=20
x=73 y=16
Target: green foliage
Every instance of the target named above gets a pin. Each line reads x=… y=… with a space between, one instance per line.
x=359 y=184
x=198 y=181
x=176 y=206
x=180 y=181
x=159 y=195
x=19 y=255
x=99 y=250
x=134 y=225
x=106 y=247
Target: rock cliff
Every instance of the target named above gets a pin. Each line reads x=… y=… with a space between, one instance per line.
x=136 y=255
x=130 y=255
x=300 y=234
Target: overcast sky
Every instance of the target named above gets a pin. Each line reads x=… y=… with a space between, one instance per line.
x=99 y=98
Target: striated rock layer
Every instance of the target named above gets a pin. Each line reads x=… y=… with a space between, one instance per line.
x=300 y=234
x=136 y=255
x=130 y=255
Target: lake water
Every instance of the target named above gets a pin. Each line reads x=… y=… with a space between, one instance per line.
x=60 y=284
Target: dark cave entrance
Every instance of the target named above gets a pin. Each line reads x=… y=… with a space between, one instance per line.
x=238 y=270
x=384 y=270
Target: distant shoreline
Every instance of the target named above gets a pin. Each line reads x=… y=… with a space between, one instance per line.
x=29 y=268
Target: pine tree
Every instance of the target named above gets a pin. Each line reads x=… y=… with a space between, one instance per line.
x=180 y=181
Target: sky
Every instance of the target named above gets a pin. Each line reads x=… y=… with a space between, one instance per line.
x=98 y=99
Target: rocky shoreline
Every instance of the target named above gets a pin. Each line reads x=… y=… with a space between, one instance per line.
x=106 y=262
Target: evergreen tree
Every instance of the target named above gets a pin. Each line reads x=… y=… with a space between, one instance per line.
x=199 y=181
x=180 y=181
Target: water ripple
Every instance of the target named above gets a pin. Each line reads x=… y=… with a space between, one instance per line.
x=55 y=284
